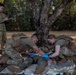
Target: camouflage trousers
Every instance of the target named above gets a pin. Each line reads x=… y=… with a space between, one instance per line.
x=2 y=36
x=66 y=51
x=42 y=63
x=15 y=57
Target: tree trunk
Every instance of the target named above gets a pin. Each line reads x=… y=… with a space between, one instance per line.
x=44 y=21
x=41 y=19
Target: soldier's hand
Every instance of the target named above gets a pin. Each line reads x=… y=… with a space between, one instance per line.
x=46 y=56
x=6 y=19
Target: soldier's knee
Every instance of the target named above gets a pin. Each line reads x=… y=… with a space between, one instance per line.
x=42 y=61
x=26 y=63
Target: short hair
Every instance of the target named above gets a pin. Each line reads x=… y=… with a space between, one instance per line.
x=1 y=4
x=35 y=35
x=51 y=36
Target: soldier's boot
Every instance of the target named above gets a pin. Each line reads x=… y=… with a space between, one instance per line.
x=40 y=69
x=42 y=63
x=14 y=68
x=26 y=63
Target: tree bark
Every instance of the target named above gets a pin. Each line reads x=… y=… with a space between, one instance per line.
x=35 y=7
x=44 y=21
x=41 y=18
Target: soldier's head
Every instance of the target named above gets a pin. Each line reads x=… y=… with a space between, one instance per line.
x=1 y=7
x=51 y=38
x=34 y=38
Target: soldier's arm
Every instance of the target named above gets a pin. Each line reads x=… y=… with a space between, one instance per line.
x=30 y=43
x=57 y=50
x=5 y=19
x=2 y=18
x=38 y=50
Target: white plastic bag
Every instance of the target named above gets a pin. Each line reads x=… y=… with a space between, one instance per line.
x=28 y=72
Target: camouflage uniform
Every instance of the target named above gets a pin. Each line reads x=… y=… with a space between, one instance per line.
x=15 y=46
x=67 y=46
x=42 y=63
x=18 y=44
x=2 y=30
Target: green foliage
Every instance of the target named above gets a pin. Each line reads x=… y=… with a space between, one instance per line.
x=54 y=5
x=20 y=12
x=22 y=17
x=67 y=20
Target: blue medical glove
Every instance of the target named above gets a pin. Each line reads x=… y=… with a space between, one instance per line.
x=46 y=56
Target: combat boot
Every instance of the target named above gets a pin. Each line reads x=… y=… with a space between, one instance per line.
x=42 y=63
x=14 y=69
x=40 y=69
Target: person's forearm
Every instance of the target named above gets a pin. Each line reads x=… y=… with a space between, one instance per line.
x=4 y=20
x=57 y=50
x=38 y=50
x=53 y=55
x=41 y=52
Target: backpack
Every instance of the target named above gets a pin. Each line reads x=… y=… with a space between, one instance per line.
x=70 y=43
x=68 y=40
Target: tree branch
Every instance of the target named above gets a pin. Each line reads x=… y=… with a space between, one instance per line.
x=58 y=11
x=45 y=11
